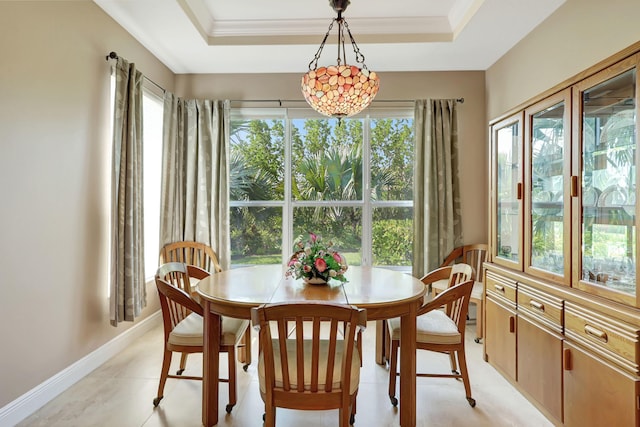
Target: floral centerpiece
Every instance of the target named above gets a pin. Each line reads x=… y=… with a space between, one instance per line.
x=316 y=262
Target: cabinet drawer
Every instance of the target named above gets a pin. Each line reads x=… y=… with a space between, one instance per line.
x=546 y=308
x=500 y=287
x=615 y=340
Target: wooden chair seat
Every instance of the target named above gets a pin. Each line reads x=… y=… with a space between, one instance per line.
x=434 y=327
x=189 y=331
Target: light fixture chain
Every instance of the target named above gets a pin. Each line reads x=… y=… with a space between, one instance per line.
x=342 y=57
x=356 y=49
x=314 y=62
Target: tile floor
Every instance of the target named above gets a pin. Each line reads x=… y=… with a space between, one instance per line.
x=120 y=393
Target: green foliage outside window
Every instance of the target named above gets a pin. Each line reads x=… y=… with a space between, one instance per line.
x=326 y=166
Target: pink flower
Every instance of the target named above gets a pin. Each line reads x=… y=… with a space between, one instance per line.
x=306 y=268
x=321 y=265
x=337 y=257
x=313 y=237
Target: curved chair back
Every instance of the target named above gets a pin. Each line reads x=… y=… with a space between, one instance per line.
x=192 y=253
x=460 y=273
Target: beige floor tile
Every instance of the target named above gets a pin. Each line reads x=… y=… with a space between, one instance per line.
x=120 y=393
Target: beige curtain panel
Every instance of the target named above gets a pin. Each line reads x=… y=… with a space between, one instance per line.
x=437 y=215
x=128 y=291
x=195 y=174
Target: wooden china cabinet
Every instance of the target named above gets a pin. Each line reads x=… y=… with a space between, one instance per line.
x=562 y=317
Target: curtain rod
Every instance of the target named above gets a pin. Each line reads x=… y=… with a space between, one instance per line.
x=113 y=55
x=280 y=101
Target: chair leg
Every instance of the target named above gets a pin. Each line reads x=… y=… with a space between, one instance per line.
x=247 y=349
x=454 y=364
x=269 y=416
x=387 y=343
x=465 y=377
x=354 y=400
x=393 y=364
x=166 y=364
x=244 y=349
x=231 y=353
x=343 y=415
x=183 y=363
x=479 y=313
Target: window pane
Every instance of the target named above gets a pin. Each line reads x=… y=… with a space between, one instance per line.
x=508 y=203
x=392 y=145
x=392 y=236
x=341 y=225
x=257 y=160
x=326 y=159
x=152 y=178
x=256 y=235
x=547 y=193
x=609 y=184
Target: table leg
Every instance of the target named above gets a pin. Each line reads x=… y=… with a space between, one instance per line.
x=381 y=334
x=408 y=368
x=210 y=366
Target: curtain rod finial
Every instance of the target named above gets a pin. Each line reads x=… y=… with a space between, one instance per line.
x=112 y=55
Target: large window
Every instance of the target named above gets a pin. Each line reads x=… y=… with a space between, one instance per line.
x=350 y=181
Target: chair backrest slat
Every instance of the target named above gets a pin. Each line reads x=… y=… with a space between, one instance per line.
x=475 y=256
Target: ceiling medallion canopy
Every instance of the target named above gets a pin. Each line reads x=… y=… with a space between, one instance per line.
x=340 y=90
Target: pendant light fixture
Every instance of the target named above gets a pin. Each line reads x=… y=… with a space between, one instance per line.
x=340 y=90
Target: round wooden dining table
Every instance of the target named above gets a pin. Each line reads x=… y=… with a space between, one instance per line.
x=384 y=293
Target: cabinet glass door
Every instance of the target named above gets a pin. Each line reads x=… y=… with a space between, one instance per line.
x=507 y=243
x=547 y=238
x=608 y=189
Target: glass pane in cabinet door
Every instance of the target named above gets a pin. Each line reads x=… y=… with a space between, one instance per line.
x=508 y=208
x=609 y=184
x=547 y=213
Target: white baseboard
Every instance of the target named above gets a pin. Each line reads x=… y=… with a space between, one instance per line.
x=34 y=399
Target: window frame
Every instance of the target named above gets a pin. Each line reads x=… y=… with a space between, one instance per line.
x=288 y=204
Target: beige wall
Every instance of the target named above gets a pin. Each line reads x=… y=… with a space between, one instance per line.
x=54 y=163
x=393 y=86
x=579 y=34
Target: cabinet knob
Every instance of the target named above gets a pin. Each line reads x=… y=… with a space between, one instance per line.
x=595 y=332
x=519 y=191
x=499 y=288
x=512 y=324
x=574 y=186
x=537 y=305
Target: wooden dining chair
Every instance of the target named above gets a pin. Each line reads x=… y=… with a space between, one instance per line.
x=438 y=330
x=474 y=255
x=442 y=277
x=203 y=256
x=315 y=368
x=183 y=326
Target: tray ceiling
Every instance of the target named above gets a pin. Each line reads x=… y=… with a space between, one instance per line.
x=257 y=36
